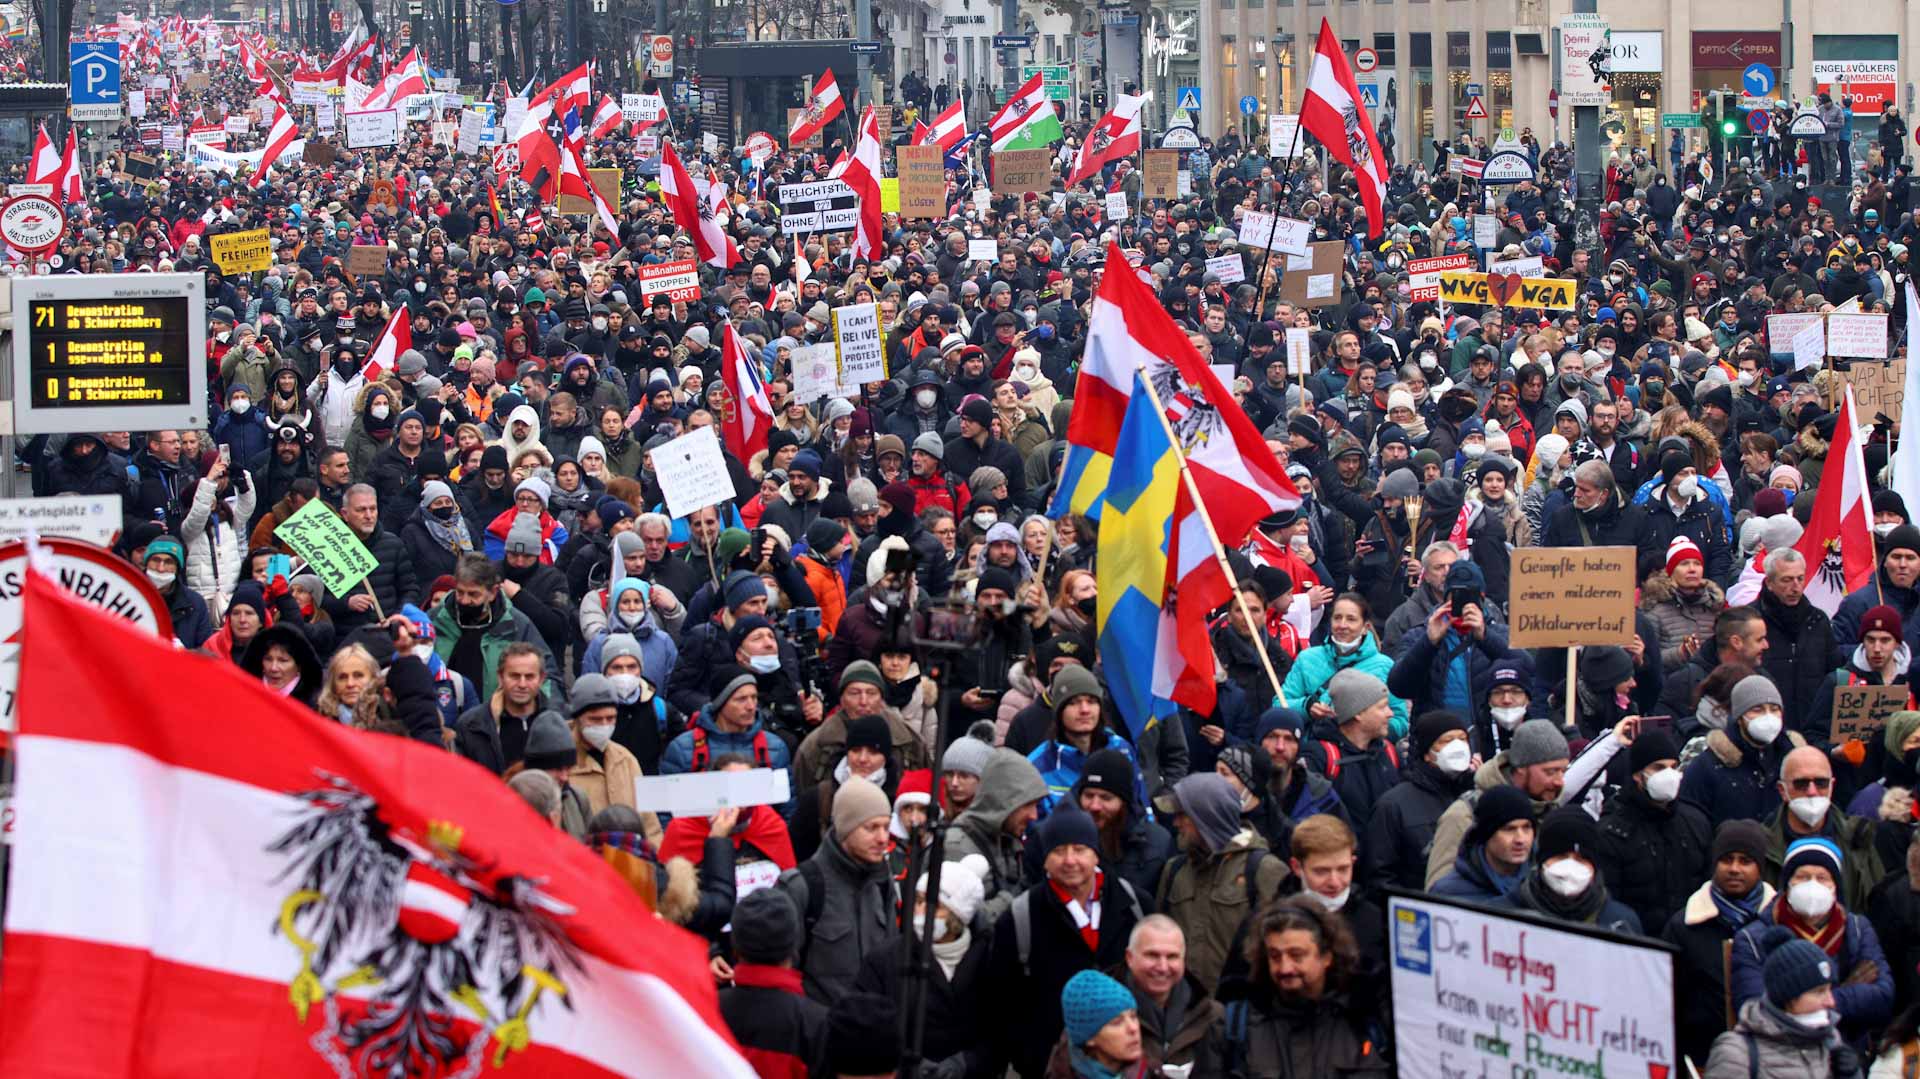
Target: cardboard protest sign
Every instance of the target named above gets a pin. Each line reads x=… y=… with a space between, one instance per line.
x=692 y=472
x=1484 y=993
x=1565 y=596
x=331 y=549
x=923 y=183
x=605 y=181
x=1880 y=389
x=1861 y=711
x=319 y=153
x=1160 y=177
x=1016 y=172
x=856 y=334
x=242 y=252
x=363 y=259
x=1316 y=283
x=1506 y=290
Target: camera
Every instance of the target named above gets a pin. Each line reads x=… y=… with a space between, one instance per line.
x=802 y=620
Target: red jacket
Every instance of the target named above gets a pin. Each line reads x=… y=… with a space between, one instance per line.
x=936 y=491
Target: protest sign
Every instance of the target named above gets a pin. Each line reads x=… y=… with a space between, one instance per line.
x=1016 y=172
x=444 y=132
x=1857 y=336
x=1530 y=266
x=1160 y=176
x=1283 y=135
x=982 y=198
x=818 y=206
x=1117 y=206
x=1506 y=290
x=1810 y=345
x=366 y=129
x=472 y=127
x=1299 y=350
x=319 y=153
x=815 y=372
x=923 y=183
x=1313 y=279
x=1486 y=228
x=1782 y=328
x=236 y=124
x=1264 y=231
x=889 y=194
x=605 y=181
x=1424 y=274
x=1565 y=596
x=331 y=549
x=1483 y=993
x=1230 y=269
x=242 y=252
x=364 y=259
x=983 y=250
x=679 y=280
x=856 y=335
x=637 y=107
x=1879 y=389
x=695 y=794
x=1861 y=711
x=692 y=472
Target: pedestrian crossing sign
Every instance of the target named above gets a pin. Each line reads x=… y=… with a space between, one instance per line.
x=1369 y=94
x=1476 y=109
x=1188 y=98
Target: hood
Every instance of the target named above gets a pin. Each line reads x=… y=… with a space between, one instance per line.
x=295 y=642
x=1007 y=782
x=1659 y=588
x=524 y=414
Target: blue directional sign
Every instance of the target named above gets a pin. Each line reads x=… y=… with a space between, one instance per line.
x=94 y=81
x=1757 y=80
x=1757 y=121
x=1187 y=97
x=1011 y=41
x=1249 y=105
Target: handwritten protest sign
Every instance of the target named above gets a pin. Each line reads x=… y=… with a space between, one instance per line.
x=1299 y=350
x=1161 y=176
x=1880 y=389
x=1565 y=596
x=1016 y=172
x=856 y=333
x=331 y=549
x=1861 y=711
x=1230 y=269
x=1478 y=993
x=363 y=259
x=692 y=472
x=1862 y=336
x=242 y=252
x=1809 y=345
x=923 y=182
x=1781 y=328
x=366 y=129
x=814 y=372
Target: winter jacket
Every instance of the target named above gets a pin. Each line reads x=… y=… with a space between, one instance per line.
x=1779 y=1049
x=246 y=434
x=1008 y=781
x=1698 y=520
x=1314 y=668
x=1362 y=777
x=1651 y=855
x=855 y=918
x=1609 y=526
x=1860 y=869
x=756 y=743
x=432 y=559
x=216 y=548
x=192 y=624
x=956 y=1005
x=793 y=517
x=393 y=583
x=1798 y=658
x=158 y=488
x=1449 y=834
x=1846 y=617
x=506 y=626
x=782 y=1034
x=1333 y=1036
x=821 y=750
x=1679 y=615
x=1470 y=877
x=1734 y=778
x=1454 y=675
x=1028 y=1000
x=1062 y=763
x=1700 y=970
x=1400 y=834
x=1863 y=984
x=1210 y=896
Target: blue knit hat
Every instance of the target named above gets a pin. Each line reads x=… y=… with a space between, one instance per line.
x=1068 y=824
x=1279 y=719
x=743 y=586
x=1793 y=967
x=1090 y=1001
x=1811 y=850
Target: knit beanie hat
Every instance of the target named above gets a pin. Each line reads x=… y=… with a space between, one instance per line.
x=1109 y=770
x=1740 y=836
x=1069 y=824
x=523 y=537
x=1672 y=463
x=1536 y=741
x=744 y=628
x=1904 y=538
x=1811 y=850
x=549 y=743
x=1900 y=727
x=247 y=594
x=857 y=802
x=862 y=671
x=1793 y=967
x=1605 y=666
x=1752 y=691
x=863 y=1035
x=1239 y=761
x=1430 y=727
x=984 y=479
x=963 y=886
x=1089 y=1002
x=621 y=644
x=1652 y=744
x=1279 y=719
x=538 y=486
x=726 y=680
x=1882 y=619
x=968 y=755
x=1497 y=808
x=1567 y=830
x=869 y=732
x=766 y=928
x=742 y=587
x=1681 y=549
x=1352 y=692
x=1072 y=681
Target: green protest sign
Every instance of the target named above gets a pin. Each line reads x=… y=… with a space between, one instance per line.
x=318 y=535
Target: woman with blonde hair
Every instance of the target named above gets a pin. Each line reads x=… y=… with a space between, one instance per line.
x=351 y=670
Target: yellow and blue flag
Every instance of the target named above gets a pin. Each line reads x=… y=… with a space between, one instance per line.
x=1138 y=647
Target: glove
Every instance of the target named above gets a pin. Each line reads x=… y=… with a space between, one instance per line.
x=1845 y=1061
x=278 y=587
x=953 y=1067
x=1853 y=751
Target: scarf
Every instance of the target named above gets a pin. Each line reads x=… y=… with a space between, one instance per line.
x=1736 y=913
x=452 y=535
x=949 y=953
x=1086 y=918
x=1830 y=937
x=1417 y=428
x=1533 y=894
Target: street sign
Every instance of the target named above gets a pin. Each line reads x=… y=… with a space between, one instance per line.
x=1476 y=108
x=1757 y=80
x=1365 y=60
x=1056 y=79
x=660 y=56
x=1474 y=89
x=1680 y=119
x=1369 y=94
x=1013 y=41
x=1757 y=121
x=1807 y=125
x=1187 y=97
x=94 y=85
x=1180 y=138
x=1553 y=104
x=864 y=48
x=1249 y=105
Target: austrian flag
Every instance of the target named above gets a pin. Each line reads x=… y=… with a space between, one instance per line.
x=245 y=888
x=1332 y=113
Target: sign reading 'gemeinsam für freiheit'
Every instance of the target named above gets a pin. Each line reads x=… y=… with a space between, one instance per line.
x=818 y=206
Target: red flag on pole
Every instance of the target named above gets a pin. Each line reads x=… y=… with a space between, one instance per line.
x=1332 y=113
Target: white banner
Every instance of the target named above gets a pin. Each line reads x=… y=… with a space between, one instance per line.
x=1861 y=337
x=372 y=129
x=206 y=157
x=1263 y=231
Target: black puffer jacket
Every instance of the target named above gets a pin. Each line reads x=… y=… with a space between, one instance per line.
x=1028 y=1001
x=392 y=580
x=1400 y=834
x=1653 y=856
x=1799 y=654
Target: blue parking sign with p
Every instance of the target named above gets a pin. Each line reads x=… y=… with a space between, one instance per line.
x=94 y=78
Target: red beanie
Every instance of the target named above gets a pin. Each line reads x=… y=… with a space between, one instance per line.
x=1682 y=549
x=1883 y=619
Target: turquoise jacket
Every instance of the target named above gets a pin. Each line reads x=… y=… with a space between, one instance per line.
x=1060 y=765
x=1314 y=667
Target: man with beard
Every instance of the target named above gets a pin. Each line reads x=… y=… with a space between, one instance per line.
x=1130 y=844
x=536 y=590
x=1301 y=1016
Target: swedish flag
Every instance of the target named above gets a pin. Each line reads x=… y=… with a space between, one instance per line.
x=1138 y=650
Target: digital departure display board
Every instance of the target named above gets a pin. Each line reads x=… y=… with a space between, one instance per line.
x=109 y=352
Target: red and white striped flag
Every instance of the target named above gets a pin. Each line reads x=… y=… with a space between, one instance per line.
x=575 y=181
x=948 y=129
x=242 y=887
x=1116 y=136
x=1838 y=542
x=690 y=212
x=863 y=175
x=1332 y=113
x=395 y=338
x=820 y=111
x=47 y=163
x=279 y=137
x=606 y=118
x=746 y=415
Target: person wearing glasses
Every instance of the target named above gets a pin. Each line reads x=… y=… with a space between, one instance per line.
x=1807 y=809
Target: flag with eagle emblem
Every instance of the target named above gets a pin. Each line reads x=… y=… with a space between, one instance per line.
x=242 y=887
x=692 y=213
x=1838 y=542
x=1114 y=137
x=1332 y=113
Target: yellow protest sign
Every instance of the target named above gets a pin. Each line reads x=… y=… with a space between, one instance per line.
x=331 y=549
x=242 y=252
x=889 y=194
x=1506 y=290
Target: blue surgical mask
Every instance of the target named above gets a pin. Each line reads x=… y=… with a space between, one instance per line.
x=1043 y=332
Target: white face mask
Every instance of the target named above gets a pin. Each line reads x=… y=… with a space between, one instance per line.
x=926 y=398
x=1883 y=531
x=162 y=581
x=1453 y=757
x=1764 y=728
x=598 y=735
x=1026 y=374
x=423 y=652
x=1819 y=1020
x=1332 y=902
x=1567 y=877
x=1744 y=378
x=1509 y=717
x=984 y=521
x=764 y=664
x=1664 y=786
x=240 y=406
x=1810 y=899
x=1686 y=486
x=379 y=412
x=626 y=687
x=1474 y=450
x=1606 y=351
x=1811 y=809
x=600 y=324
x=1347 y=648
x=939 y=926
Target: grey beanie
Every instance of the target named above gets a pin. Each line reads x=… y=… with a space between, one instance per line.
x=766 y=928
x=1753 y=691
x=838 y=409
x=312 y=584
x=968 y=755
x=411 y=363
x=524 y=535
x=932 y=445
x=1536 y=741
x=550 y=743
x=863 y=496
x=590 y=690
x=1352 y=692
x=1400 y=483
x=626 y=543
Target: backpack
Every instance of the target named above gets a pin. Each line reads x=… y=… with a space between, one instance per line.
x=1332 y=751
x=1254 y=857
x=1023 y=921
x=702 y=754
x=816 y=879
